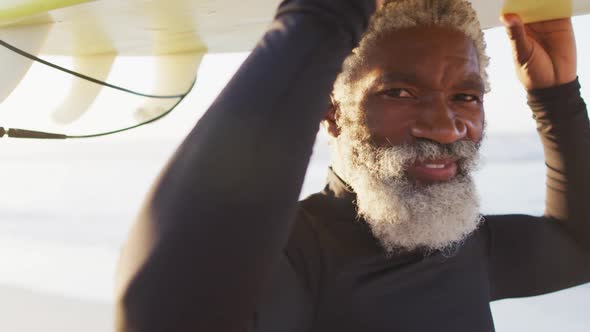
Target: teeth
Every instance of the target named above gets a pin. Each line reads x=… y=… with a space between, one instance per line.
x=435 y=166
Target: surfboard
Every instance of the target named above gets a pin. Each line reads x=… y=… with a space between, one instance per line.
x=177 y=33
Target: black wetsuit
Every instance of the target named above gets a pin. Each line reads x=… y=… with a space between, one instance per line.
x=223 y=244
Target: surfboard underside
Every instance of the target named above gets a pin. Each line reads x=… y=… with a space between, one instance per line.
x=154 y=27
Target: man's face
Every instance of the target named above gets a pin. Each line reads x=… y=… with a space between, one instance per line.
x=424 y=83
x=410 y=140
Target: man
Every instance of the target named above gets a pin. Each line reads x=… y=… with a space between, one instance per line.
x=395 y=242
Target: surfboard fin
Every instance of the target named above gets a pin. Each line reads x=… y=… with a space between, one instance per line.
x=15 y=67
x=83 y=93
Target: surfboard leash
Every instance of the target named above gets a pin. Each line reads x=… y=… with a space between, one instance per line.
x=24 y=133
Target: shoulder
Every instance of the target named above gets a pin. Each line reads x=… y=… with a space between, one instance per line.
x=303 y=251
x=289 y=299
x=305 y=228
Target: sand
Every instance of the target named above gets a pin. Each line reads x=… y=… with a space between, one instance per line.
x=30 y=311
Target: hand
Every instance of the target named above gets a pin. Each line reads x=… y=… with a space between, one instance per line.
x=544 y=52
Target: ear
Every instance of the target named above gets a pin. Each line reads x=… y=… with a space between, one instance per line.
x=329 y=120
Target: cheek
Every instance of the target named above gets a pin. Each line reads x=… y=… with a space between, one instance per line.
x=475 y=123
x=390 y=125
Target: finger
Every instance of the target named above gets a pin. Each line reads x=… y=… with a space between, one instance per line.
x=564 y=24
x=521 y=44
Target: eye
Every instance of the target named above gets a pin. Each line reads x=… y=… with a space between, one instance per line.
x=398 y=93
x=467 y=98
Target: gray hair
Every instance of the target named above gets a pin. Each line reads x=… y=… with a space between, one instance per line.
x=400 y=14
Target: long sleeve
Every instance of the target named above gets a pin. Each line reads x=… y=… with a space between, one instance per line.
x=222 y=211
x=565 y=132
x=536 y=255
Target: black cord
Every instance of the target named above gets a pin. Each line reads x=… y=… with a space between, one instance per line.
x=82 y=76
x=20 y=133
x=140 y=124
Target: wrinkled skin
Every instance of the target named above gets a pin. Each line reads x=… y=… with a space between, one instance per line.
x=423 y=83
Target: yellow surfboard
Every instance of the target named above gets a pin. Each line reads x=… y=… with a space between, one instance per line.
x=540 y=10
x=154 y=27
x=14 y=10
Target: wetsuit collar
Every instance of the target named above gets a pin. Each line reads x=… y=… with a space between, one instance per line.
x=341 y=197
x=337 y=188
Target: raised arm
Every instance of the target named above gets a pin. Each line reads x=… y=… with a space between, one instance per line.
x=221 y=213
x=531 y=256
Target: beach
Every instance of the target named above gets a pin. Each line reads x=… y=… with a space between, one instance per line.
x=24 y=310
x=64 y=220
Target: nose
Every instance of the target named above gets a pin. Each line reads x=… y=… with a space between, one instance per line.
x=438 y=122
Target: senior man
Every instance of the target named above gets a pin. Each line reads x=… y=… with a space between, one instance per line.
x=396 y=241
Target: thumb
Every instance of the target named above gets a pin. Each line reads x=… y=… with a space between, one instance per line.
x=521 y=45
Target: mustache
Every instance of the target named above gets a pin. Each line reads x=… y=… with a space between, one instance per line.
x=424 y=149
x=396 y=159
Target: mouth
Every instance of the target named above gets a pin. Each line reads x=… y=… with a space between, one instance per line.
x=432 y=171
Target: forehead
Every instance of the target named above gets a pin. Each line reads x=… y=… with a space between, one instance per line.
x=429 y=53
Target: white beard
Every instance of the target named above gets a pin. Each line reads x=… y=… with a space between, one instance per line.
x=404 y=215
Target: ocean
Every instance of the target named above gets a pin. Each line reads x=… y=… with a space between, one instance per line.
x=66 y=207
